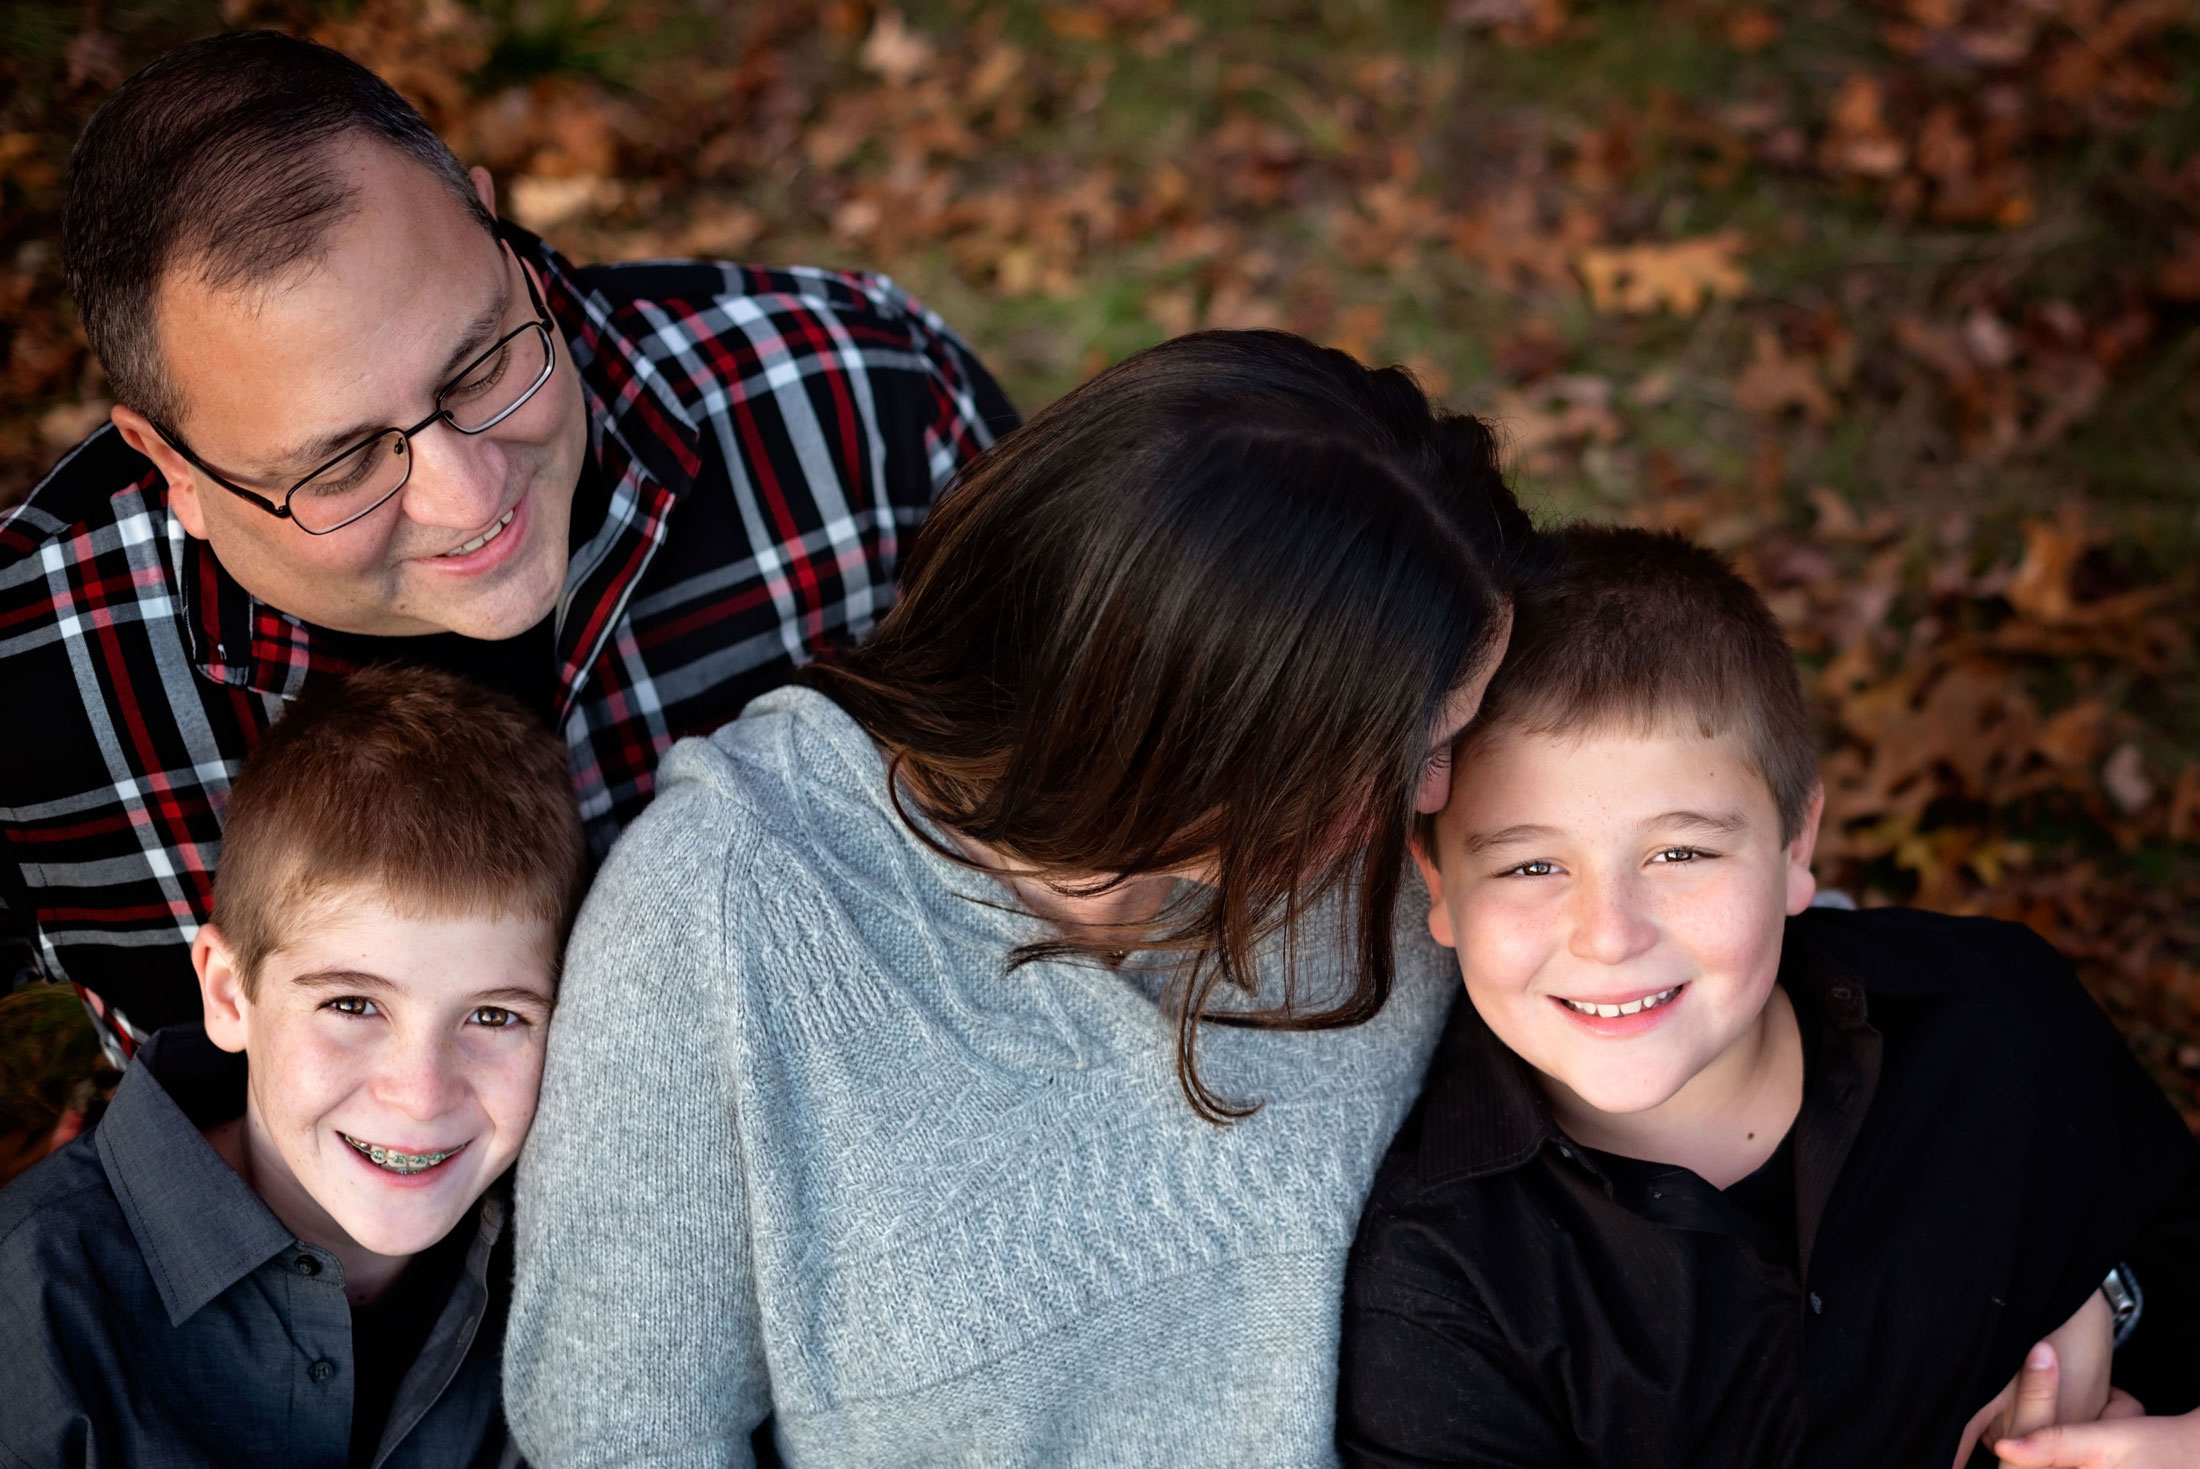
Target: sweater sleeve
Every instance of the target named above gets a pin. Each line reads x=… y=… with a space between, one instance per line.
x=634 y=1336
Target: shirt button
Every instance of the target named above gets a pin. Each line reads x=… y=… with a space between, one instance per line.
x=1817 y=1307
x=321 y=1371
x=307 y=1266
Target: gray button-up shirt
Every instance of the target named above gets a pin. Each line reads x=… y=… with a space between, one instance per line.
x=155 y=1313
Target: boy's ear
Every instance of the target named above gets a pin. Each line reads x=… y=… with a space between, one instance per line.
x=221 y=989
x=1439 y=916
x=1802 y=884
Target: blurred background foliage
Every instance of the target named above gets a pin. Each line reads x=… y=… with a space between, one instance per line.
x=1898 y=301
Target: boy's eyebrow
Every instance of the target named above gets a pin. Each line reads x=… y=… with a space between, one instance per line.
x=1723 y=823
x=1482 y=841
x=509 y=994
x=331 y=979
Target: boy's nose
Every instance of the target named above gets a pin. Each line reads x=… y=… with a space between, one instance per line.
x=423 y=1081
x=1608 y=926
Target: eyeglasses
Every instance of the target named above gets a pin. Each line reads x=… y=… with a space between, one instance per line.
x=359 y=480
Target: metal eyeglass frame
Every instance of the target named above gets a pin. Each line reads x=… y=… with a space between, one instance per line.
x=542 y=323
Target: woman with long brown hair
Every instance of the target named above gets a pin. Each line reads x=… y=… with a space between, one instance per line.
x=980 y=1053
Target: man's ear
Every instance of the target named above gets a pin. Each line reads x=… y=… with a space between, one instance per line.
x=183 y=487
x=221 y=989
x=1802 y=885
x=485 y=188
x=1439 y=916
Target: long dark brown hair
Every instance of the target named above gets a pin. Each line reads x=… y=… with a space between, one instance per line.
x=1203 y=612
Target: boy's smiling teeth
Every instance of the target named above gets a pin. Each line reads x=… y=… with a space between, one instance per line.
x=486 y=536
x=390 y=1160
x=1613 y=1012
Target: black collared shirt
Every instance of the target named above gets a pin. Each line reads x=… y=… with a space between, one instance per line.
x=154 y=1313
x=1975 y=1149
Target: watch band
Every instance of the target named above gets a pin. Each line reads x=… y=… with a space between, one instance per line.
x=2125 y=1301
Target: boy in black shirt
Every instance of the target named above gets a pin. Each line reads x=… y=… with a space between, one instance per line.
x=1703 y=1174
x=285 y=1242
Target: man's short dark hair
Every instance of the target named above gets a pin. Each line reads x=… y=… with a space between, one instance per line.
x=217 y=158
x=1647 y=631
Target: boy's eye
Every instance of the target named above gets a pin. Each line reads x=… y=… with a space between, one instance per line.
x=493 y=1016
x=1680 y=854
x=1537 y=868
x=352 y=1005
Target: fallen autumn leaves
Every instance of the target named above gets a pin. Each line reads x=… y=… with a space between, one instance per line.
x=1897 y=300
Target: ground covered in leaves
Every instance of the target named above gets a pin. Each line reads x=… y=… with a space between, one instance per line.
x=1896 y=300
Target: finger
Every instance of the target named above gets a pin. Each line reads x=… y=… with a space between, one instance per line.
x=2038 y=1389
x=2122 y=1405
x=2049 y=1448
x=1986 y=1423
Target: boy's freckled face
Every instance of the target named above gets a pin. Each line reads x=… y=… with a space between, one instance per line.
x=1612 y=871
x=421 y=1037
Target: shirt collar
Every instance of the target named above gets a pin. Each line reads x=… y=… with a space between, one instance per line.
x=645 y=446
x=1486 y=1113
x=200 y=1227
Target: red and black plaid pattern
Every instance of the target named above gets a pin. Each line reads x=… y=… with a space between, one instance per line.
x=766 y=441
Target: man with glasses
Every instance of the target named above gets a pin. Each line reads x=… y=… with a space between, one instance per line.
x=359 y=420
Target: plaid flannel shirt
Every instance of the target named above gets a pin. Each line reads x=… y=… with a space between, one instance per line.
x=767 y=440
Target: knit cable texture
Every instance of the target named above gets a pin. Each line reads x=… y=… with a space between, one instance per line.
x=807 y=1149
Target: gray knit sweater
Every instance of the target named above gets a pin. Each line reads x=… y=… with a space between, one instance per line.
x=805 y=1150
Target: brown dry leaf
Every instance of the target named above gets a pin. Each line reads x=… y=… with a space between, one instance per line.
x=2040 y=590
x=1077 y=23
x=2074 y=737
x=2124 y=777
x=1860 y=141
x=719 y=229
x=1388 y=222
x=994 y=72
x=1569 y=411
x=1360 y=330
x=894 y=51
x=1242 y=304
x=542 y=204
x=21 y=163
x=1507 y=239
x=2178 y=277
x=1516 y=22
x=1175 y=310
x=93 y=58
x=1752 y=28
x=2184 y=805
x=62 y=426
x=1775 y=382
x=1679 y=275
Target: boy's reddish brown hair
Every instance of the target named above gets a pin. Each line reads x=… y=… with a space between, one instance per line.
x=445 y=797
x=1645 y=631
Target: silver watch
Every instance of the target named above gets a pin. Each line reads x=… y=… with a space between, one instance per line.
x=2125 y=1301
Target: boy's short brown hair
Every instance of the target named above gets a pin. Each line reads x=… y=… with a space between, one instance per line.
x=1647 y=631
x=446 y=796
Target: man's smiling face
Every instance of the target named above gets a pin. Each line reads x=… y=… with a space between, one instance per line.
x=275 y=377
